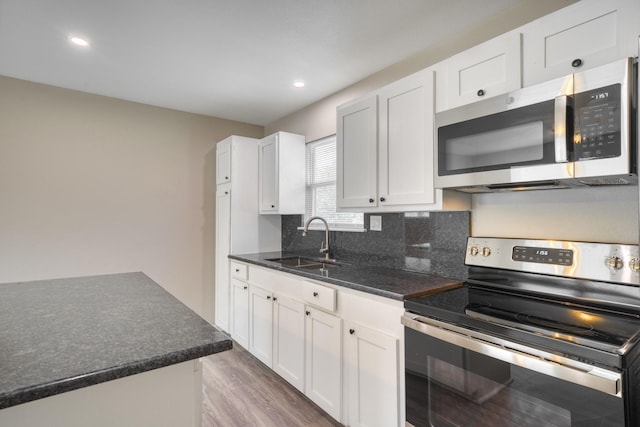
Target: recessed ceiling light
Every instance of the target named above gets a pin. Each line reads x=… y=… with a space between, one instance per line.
x=298 y=84
x=78 y=41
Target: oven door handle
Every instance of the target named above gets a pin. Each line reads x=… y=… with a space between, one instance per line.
x=596 y=378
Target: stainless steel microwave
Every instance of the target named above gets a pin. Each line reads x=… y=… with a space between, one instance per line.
x=573 y=131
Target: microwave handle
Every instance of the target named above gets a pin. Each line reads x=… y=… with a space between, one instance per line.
x=560 y=129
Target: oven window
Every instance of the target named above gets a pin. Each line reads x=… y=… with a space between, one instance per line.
x=447 y=386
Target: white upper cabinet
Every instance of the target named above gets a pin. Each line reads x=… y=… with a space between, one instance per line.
x=486 y=70
x=405 y=141
x=357 y=159
x=385 y=149
x=282 y=174
x=223 y=162
x=583 y=35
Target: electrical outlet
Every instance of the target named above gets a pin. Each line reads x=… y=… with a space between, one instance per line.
x=375 y=223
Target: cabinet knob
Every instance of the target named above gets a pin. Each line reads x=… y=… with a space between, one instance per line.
x=237 y=270
x=244 y=287
x=226 y=192
x=273 y=206
x=352 y=331
x=226 y=177
x=370 y=200
x=307 y=312
x=275 y=298
x=268 y=297
x=576 y=63
x=480 y=92
x=382 y=199
x=315 y=294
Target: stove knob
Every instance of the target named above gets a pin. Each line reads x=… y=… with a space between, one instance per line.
x=486 y=251
x=634 y=264
x=614 y=262
x=473 y=251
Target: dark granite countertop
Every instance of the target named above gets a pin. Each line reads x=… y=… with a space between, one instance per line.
x=64 y=334
x=386 y=282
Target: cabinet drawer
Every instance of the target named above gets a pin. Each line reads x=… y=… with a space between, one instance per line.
x=239 y=271
x=320 y=296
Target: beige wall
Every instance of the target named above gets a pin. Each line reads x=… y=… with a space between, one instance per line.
x=319 y=119
x=93 y=185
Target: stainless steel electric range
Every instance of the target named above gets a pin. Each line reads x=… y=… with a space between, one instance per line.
x=543 y=333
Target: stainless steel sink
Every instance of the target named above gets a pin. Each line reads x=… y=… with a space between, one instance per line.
x=306 y=263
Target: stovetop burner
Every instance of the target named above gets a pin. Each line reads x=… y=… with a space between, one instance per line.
x=578 y=299
x=575 y=330
x=607 y=331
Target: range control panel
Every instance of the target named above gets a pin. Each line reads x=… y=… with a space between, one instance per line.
x=595 y=261
x=542 y=255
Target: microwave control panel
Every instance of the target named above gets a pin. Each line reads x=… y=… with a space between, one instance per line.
x=597 y=123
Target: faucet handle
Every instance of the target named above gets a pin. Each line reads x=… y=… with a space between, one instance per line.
x=323 y=249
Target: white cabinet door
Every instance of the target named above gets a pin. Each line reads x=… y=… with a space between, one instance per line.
x=406 y=141
x=268 y=158
x=223 y=162
x=240 y=312
x=486 y=70
x=288 y=340
x=223 y=238
x=324 y=361
x=584 y=35
x=282 y=174
x=371 y=360
x=261 y=324
x=357 y=159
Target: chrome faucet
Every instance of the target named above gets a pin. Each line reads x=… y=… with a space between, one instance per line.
x=324 y=247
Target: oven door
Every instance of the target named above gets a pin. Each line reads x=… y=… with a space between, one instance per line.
x=457 y=377
x=521 y=136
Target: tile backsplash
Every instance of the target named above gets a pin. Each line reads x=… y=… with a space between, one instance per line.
x=426 y=242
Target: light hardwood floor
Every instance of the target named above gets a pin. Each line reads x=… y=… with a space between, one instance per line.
x=240 y=391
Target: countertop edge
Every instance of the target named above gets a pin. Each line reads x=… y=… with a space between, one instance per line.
x=450 y=283
x=17 y=397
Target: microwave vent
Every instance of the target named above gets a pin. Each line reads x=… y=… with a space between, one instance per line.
x=610 y=180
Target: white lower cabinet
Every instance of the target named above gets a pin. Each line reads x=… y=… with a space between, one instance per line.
x=240 y=312
x=261 y=324
x=288 y=340
x=371 y=369
x=299 y=327
x=324 y=361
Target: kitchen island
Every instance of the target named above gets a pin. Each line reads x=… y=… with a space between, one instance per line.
x=101 y=351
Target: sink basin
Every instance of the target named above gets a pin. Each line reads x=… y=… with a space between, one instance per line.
x=306 y=263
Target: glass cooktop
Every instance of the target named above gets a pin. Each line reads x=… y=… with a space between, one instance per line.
x=573 y=329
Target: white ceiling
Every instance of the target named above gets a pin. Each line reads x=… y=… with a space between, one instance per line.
x=234 y=59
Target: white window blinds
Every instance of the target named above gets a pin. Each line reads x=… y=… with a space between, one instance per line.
x=321 y=186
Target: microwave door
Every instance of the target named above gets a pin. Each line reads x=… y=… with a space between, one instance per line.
x=514 y=138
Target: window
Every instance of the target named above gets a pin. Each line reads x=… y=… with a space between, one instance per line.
x=321 y=187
